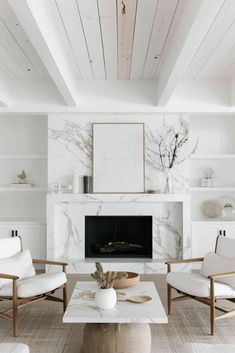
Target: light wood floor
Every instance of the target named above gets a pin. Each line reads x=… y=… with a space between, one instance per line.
x=42 y=329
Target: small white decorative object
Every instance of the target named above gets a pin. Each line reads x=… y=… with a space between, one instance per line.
x=106 y=298
x=228 y=212
x=209 y=181
x=75 y=184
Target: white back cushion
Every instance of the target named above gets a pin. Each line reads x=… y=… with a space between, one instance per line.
x=20 y=265
x=226 y=247
x=9 y=247
x=215 y=264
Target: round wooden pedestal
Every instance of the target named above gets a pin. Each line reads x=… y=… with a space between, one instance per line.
x=117 y=338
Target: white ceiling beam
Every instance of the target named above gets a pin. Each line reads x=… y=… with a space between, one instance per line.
x=193 y=20
x=35 y=19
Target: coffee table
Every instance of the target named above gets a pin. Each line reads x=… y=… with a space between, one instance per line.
x=124 y=329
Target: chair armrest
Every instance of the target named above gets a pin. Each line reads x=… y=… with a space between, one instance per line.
x=221 y=275
x=50 y=262
x=184 y=261
x=5 y=276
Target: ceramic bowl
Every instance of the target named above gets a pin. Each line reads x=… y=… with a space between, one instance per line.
x=132 y=279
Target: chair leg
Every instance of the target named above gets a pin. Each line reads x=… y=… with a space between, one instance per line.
x=65 y=297
x=212 y=307
x=169 y=289
x=15 y=310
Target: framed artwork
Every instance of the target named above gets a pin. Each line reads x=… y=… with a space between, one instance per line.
x=118 y=158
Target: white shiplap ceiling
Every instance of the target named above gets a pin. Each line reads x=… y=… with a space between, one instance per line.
x=67 y=41
x=215 y=58
x=18 y=59
x=106 y=39
x=116 y=39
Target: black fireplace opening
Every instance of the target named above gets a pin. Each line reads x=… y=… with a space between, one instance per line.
x=118 y=236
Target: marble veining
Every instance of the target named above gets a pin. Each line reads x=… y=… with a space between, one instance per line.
x=70 y=149
x=83 y=310
x=66 y=225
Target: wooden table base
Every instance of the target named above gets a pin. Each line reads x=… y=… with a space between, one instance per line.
x=117 y=338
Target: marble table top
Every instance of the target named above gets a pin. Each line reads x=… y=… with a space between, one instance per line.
x=82 y=309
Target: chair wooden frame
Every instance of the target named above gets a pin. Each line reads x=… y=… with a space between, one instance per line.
x=18 y=303
x=210 y=301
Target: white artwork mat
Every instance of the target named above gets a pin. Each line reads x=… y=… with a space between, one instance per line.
x=118 y=158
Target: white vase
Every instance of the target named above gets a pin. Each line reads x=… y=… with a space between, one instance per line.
x=75 y=184
x=106 y=298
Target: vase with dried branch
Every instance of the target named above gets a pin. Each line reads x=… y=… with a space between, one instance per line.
x=106 y=297
x=167 y=150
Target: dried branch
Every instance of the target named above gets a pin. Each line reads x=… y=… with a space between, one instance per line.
x=105 y=279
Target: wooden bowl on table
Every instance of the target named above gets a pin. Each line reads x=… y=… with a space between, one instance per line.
x=132 y=279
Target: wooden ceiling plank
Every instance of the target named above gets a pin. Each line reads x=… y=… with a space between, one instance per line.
x=126 y=15
x=6 y=71
x=42 y=23
x=108 y=22
x=224 y=66
x=11 y=64
x=192 y=21
x=9 y=44
x=21 y=42
x=91 y=25
x=146 y=11
x=216 y=32
x=217 y=55
x=162 y=22
x=73 y=26
x=229 y=72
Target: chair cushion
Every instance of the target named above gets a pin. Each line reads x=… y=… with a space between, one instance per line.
x=226 y=247
x=207 y=348
x=13 y=348
x=214 y=264
x=35 y=285
x=20 y=265
x=9 y=247
x=197 y=285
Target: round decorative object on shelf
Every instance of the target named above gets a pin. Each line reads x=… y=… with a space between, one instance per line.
x=211 y=208
x=106 y=298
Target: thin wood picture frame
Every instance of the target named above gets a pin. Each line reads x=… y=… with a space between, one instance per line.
x=118 y=158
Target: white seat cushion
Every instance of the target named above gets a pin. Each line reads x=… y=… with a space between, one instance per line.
x=35 y=285
x=215 y=264
x=197 y=285
x=13 y=348
x=208 y=348
x=20 y=265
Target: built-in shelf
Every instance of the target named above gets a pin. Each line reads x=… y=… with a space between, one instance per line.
x=22 y=156
x=23 y=220
x=212 y=189
x=213 y=156
x=20 y=189
x=212 y=221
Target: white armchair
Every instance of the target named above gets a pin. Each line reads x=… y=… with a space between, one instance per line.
x=19 y=282
x=215 y=281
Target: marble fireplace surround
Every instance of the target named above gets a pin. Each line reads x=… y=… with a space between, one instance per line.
x=66 y=226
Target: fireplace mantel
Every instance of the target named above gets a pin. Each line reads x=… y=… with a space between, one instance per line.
x=66 y=236
x=57 y=198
